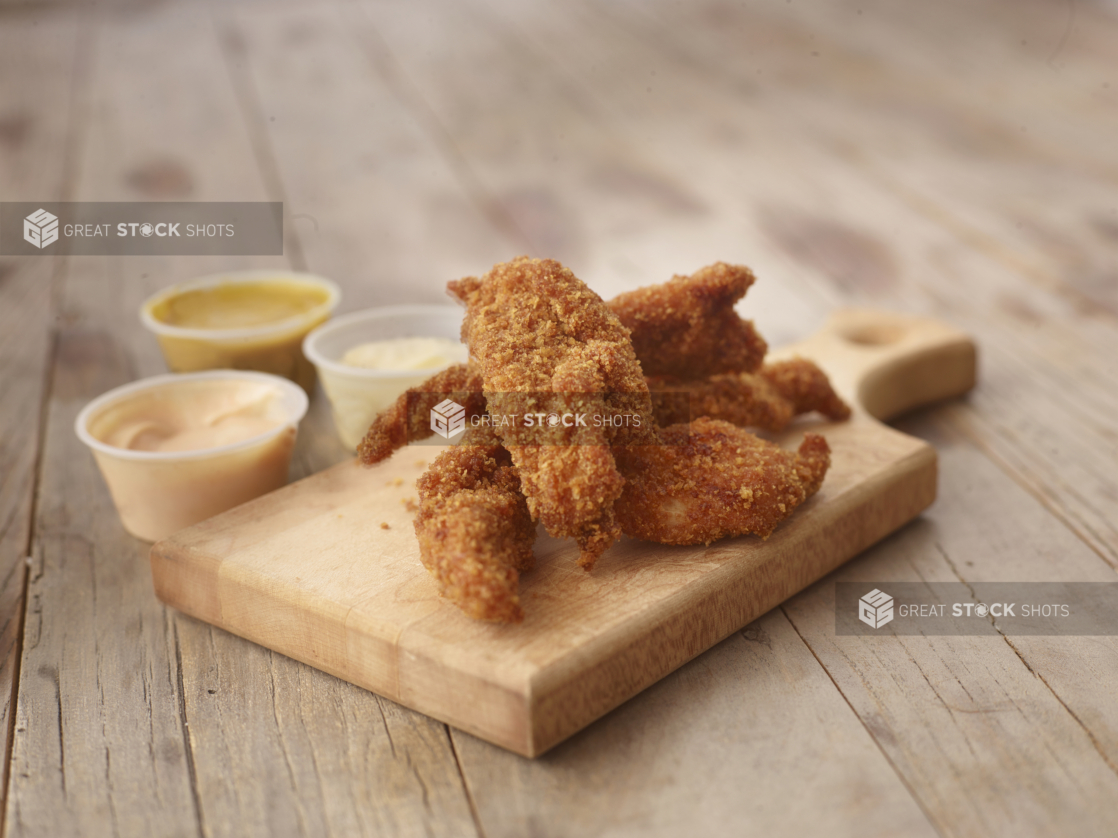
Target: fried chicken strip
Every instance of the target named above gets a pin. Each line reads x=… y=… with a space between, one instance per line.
x=712 y=480
x=687 y=326
x=807 y=387
x=474 y=530
x=409 y=417
x=768 y=399
x=544 y=342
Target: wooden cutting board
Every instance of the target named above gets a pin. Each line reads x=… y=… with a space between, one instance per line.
x=310 y=571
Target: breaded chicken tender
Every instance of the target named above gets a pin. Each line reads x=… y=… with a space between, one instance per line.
x=806 y=387
x=474 y=530
x=408 y=419
x=546 y=344
x=711 y=480
x=687 y=326
x=542 y=344
x=768 y=399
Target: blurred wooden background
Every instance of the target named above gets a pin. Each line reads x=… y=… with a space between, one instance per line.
x=955 y=159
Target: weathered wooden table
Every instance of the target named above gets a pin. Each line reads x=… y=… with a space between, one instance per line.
x=955 y=159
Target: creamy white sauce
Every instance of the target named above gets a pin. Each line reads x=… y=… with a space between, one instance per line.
x=401 y=354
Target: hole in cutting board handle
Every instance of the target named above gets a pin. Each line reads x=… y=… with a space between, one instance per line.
x=872 y=334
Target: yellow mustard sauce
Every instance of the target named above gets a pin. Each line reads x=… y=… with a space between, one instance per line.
x=282 y=311
x=241 y=305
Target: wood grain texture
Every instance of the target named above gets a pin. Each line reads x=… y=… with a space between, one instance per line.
x=112 y=681
x=313 y=572
x=25 y=352
x=100 y=745
x=282 y=749
x=993 y=734
x=752 y=731
x=379 y=171
x=36 y=133
x=951 y=159
x=880 y=178
x=93 y=630
x=827 y=149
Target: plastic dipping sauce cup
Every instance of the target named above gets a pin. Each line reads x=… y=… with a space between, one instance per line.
x=358 y=394
x=251 y=320
x=177 y=449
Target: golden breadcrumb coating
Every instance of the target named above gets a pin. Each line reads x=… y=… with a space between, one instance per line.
x=687 y=326
x=711 y=480
x=807 y=387
x=744 y=398
x=768 y=399
x=544 y=342
x=541 y=342
x=409 y=416
x=474 y=530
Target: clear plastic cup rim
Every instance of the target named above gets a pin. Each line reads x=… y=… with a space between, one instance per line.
x=336 y=324
x=295 y=403
x=333 y=297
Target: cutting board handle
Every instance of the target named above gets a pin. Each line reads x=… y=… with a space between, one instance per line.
x=885 y=364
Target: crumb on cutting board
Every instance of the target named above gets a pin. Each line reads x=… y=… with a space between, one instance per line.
x=384 y=525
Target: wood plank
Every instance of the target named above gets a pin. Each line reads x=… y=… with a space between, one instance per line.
x=99 y=740
x=865 y=91
x=289 y=750
x=324 y=743
x=992 y=734
x=1039 y=207
x=822 y=216
x=36 y=131
x=1039 y=74
x=859 y=216
x=377 y=767
x=107 y=740
x=529 y=137
x=365 y=178
x=25 y=351
x=1035 y=207
x=1078 y=670
x=749 y=739
x=585 y=189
